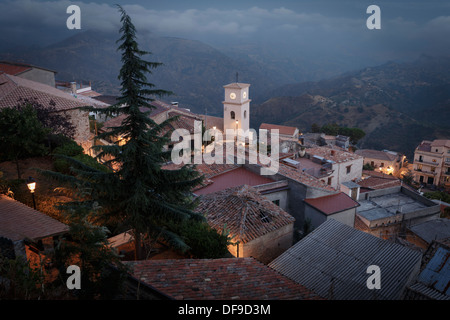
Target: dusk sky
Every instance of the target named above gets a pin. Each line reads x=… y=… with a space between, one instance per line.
x=408 y=28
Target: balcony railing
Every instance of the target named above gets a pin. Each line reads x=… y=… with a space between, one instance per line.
x=425 y=172
x=427 y=162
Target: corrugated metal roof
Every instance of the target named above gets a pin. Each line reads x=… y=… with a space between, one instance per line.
x=428 y=292
x=436 y=274
x=333 y=261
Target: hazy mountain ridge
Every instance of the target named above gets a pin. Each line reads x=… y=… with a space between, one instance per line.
x=397 y=104
x=194 y=71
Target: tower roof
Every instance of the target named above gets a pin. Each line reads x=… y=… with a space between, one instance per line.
x=237 y=85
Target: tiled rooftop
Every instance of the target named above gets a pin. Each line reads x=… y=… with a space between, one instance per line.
x=244 y=212
x=236 y=177
x=335 y=154
x=284 y=130
x=218 y=279
x=376 y=154
x=18 y=222
x=377 y=180
x=333 y=203
x=13 y=88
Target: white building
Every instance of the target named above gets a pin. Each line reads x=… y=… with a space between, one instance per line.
x=236 y=107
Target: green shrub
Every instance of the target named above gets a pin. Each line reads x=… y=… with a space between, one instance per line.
x=204 y=241
x=70 y=149
x=90 y=161
x=73 y=150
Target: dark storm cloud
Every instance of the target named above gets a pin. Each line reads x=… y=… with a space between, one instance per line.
x=408 y=27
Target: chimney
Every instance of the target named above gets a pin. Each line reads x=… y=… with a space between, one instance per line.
x=175 y=104
x=73 y=87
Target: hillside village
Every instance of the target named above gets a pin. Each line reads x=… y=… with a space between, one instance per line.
x=309 y=231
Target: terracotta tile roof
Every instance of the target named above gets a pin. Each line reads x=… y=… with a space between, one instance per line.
x=232 y=178
x=333 y=203
x=284 y=130
x=374 y=180
x=18 y=222
x=333 y=153
x=441 y=143
x=424 y=146
x=183 y=121
x=13 y=69
x=302 y=177
x=185 y=118
x=237 y=85
x=212 y=121
x=218 y=279
x=244 y=212
x=13 y=88
x=376 y=154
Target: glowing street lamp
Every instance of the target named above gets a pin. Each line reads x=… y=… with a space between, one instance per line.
x=31 y=184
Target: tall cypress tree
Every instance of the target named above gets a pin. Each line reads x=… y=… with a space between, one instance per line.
x=139 y=195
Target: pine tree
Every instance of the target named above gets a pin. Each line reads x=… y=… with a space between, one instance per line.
x=139 y=195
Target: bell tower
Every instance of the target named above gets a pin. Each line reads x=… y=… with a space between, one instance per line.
x=236 y=107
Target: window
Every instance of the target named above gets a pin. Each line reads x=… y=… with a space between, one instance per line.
x=382 y=164
x=245 y=114
x=232 y=114
x=277 y=202
x=349 y=169
x=329 y=181
x=372 y=164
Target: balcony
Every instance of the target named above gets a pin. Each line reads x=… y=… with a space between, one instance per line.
x=427 y=162
x=425 y=172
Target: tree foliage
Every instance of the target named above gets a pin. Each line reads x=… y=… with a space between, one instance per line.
x=138 y=195
x=22 y=135
x=58 y=122
x=355 y=134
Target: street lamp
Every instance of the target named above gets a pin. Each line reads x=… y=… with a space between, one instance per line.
x=31 y=184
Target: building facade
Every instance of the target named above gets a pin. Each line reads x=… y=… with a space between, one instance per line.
x=432 y=163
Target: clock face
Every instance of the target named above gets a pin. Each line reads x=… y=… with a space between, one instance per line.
x=244 y=95
x=233 y=95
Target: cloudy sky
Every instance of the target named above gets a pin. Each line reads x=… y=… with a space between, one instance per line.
x=408 y=28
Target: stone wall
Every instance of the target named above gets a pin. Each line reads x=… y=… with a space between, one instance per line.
x=271 y=245
x=83 y=136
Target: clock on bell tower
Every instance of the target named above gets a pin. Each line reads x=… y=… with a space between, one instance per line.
x=236 y=107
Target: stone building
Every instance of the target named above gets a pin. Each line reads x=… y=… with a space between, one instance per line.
x=432 y=163
x=260 y=228
x=28 y=71
x=388 y=162
x=15 y=89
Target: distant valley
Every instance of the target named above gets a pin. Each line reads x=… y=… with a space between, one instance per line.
x=396 y=104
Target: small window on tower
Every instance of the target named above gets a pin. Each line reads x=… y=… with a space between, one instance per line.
x=245 y=114
x=233 y=116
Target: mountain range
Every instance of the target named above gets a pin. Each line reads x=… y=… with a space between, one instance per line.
x=397 y=104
